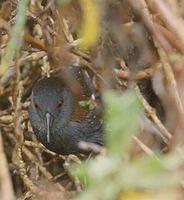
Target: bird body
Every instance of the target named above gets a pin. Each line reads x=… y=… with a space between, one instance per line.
x=50 y=111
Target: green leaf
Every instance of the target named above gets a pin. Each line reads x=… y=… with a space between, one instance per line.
x=122 y=117
x=89 y=104
x=14 y=43
x=107 y=176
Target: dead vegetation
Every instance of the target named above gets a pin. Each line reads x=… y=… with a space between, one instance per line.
x=129 y=43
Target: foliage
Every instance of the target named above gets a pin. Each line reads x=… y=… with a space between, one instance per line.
x=116 y=175
x=14 y=43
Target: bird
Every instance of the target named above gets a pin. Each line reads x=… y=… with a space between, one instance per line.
x=50 y=112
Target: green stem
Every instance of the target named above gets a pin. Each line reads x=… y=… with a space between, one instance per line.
x=14 y=43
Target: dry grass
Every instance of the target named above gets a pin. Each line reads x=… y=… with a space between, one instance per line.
x=138 y=40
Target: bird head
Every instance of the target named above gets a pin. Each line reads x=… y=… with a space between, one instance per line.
x=51 y=105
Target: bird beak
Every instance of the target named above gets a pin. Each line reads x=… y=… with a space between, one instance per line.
x=48 y=123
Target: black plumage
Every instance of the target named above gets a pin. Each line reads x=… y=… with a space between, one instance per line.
x=50 y=111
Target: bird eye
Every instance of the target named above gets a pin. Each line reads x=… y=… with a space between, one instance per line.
x=36 y=105
x=60 y=104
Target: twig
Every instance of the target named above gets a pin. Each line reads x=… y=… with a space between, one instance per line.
x=67 y=164
x=23 y=173
x=33 y=158
x=40 y=146
x=170 y=37
x=164 y=133
x=7 y=76
x=27 y=195
x=170 y=79
x=146 y=149
x=86 y=146
x=7 y=192
x=42 y=169
x=142 y=8
x=139 y=75
x=175 y=23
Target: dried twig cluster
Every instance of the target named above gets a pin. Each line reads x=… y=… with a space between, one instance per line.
x=138 y=40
